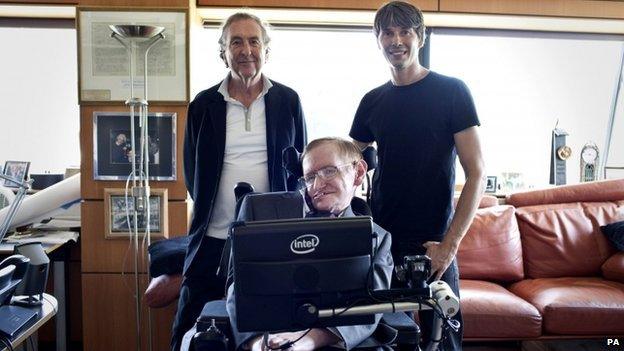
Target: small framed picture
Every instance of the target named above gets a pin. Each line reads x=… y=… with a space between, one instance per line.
x=112 y=146
x=490 y=185
x=120 y=214
x=17 y=170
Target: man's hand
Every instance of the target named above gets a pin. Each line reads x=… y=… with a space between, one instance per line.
x=315 y=339
x=441 y=254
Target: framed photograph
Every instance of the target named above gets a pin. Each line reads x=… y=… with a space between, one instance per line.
x=17 y=170
x=118 y=211
x=490 y=185
x=104 y=63
x=112 y=147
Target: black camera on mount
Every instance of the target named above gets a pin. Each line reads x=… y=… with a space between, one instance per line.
x=415 y=270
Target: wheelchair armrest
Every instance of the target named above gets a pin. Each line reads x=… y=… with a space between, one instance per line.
x=213 y=310
x=206 y=340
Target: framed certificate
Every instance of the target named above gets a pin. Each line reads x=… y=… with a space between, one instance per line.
x=104 y=63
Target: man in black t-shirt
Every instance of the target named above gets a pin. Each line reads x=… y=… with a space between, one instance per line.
x=421 y=121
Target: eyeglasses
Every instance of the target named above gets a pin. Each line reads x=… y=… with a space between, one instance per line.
x=325 y=173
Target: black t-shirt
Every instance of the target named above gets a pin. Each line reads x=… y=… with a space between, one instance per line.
x=413 y=126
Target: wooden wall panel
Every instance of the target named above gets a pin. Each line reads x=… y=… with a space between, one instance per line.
x=425 y=5
x=107 y=255
x=109 y=319
x=136 y=3
x=40 y=2
x=93 y=190
x=558 y=8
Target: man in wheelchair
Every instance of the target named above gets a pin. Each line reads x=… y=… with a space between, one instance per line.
x=269 y=298
x=333 y=168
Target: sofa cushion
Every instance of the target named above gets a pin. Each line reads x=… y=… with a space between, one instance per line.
x=615 y=233
x=564 y=239
x=491 y=250
x=163 y=290
x=486 y=201
x=576 y=306
x=491 y=311
x=613 y=268
x=606 y=190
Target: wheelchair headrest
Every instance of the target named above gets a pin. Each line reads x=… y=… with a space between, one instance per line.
x=291 y=160
x=241 y=189
x=369 y=154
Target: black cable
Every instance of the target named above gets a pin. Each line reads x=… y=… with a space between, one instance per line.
x=32 y=343
x=368 y=189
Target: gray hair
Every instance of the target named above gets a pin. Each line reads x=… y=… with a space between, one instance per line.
x=400 y=14
x=239 y=16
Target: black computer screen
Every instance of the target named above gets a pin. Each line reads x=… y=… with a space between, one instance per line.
x=283 y=267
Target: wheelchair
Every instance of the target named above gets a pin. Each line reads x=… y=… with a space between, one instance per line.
x=396 y=328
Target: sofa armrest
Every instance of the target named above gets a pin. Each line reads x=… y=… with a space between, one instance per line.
x=163 y=290
x=613 y=268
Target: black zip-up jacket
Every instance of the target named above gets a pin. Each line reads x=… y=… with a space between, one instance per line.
x=204 y=147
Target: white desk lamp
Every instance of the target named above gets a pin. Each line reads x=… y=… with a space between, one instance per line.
x=23 y=186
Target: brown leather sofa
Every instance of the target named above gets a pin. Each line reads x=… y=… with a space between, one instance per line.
x=539 y=267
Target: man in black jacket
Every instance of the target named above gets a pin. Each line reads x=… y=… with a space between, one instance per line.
x=236 y=132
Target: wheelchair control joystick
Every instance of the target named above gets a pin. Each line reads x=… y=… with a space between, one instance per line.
x=212 y=339
x=415 y=271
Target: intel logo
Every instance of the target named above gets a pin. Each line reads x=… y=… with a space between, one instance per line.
x=304 y=244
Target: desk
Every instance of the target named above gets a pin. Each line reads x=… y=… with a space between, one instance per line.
x=48 y=308
x=53 y=243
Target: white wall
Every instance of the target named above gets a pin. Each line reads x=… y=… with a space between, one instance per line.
x=616 y=152
x=523 y=85
x=39 y=116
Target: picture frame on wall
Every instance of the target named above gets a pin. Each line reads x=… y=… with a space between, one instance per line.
x=490 y=184
x=17 y=170
x=117 y=214
x=103 y=62
x=112 y=147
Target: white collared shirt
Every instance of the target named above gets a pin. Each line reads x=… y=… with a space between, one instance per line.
x=245 y=157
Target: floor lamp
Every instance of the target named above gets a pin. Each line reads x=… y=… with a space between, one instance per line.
x=131 y=37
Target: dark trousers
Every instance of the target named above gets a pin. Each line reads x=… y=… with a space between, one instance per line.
x=198 y=289
x=451 y=340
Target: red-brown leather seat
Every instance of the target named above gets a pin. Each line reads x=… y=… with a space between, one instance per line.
x=491 y=311
x=492 y=252
x=576 y=306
